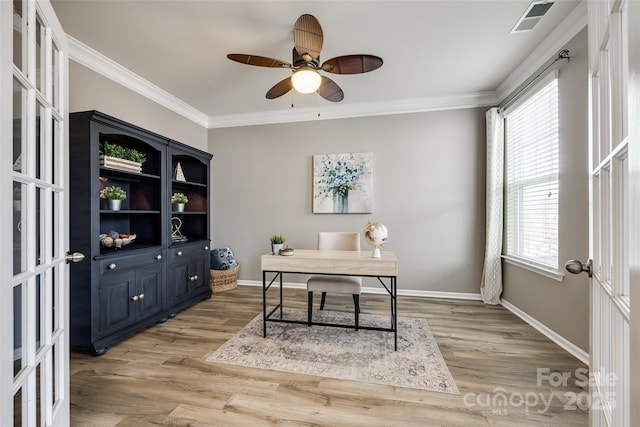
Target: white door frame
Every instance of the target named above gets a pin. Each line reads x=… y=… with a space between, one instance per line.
x=37 y=386
x=634 y=206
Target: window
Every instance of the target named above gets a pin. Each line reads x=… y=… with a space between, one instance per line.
x=531 y=144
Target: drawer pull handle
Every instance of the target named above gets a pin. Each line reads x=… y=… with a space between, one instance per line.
x=112 y=266
x=135 y=298
x=179 y=253
x=158 y=257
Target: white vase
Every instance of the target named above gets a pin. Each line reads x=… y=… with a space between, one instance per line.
x=276 y=248
x=114 y=205
x=178 y=207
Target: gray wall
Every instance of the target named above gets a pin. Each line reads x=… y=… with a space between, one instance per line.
x=564 y=306
x=429 y=180
x=89 y=90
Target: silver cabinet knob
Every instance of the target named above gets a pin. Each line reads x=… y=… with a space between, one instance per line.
x=158 y=257
x=112 y=266
x=195 y=277
x=135 y=298
x=206 y=248
x=179 y=253
x=141 y=296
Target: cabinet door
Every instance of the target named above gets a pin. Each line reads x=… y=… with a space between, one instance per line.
x=117 y=309
x=149 y=285
x=179 y=278
x=200 y=271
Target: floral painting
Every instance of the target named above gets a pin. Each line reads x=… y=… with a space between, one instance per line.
x=343 y=183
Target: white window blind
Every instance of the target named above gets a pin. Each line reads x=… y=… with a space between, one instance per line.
x=531 y=145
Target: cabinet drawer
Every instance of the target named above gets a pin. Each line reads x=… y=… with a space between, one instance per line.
x=113 y=265
x=188 y=251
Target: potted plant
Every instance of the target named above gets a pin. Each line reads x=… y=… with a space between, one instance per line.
x=277 y=243
x=179 y=200
x=114 y=196
x=117 y=156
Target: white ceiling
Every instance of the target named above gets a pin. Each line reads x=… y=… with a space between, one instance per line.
x=432 y=50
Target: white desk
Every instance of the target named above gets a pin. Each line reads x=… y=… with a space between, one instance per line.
x=344 y=263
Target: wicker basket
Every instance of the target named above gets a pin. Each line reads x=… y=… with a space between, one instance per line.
x=223 y=280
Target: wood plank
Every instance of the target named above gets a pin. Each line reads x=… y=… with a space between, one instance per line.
x=159 y=377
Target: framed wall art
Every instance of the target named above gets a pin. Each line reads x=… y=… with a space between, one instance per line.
x=343 y=183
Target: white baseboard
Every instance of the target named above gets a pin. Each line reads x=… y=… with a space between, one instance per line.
x=576 y=351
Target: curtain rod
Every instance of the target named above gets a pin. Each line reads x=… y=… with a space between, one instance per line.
x=563 y=54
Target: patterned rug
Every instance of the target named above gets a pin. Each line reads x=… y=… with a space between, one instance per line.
x=341 y=353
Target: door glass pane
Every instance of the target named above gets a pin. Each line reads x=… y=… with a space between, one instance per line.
x=39 y=77
x=19 y=125
x=54 y=373
x=39 y=318
x=624 y=234
x=19 y=194
x=55 y=77
x=55 y=301
x=17 y=329
x=40 y=141
x=38 y=396
x=39 y=226
x=56 y=152
x=18 y=24
x=53 y=239
x=17 y=409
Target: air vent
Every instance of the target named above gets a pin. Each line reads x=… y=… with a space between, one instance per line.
x=531 y=16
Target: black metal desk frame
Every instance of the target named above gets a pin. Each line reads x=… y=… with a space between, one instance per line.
x=269 y=317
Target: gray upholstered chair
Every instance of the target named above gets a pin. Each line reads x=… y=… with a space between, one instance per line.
x=336 y=241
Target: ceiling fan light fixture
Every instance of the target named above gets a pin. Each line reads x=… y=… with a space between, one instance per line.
x=306 y=80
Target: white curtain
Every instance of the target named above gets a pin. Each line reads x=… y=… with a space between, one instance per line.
x=491 y=285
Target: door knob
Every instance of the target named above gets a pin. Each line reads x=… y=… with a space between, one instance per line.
x=73 y=257
x=576 y=267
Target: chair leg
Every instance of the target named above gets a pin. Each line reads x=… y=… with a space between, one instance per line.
x=324 y=297
x=356 y=303
x=309 y=308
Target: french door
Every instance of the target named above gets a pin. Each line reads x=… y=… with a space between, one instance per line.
x=614 y=213
x=33 y=302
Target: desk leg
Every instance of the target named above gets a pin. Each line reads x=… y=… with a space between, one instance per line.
x=394 y=309
x=280 y=294
x=264 y=304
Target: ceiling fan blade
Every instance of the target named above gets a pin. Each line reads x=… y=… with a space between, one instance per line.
x=260 y=61
x=280 y=88
x=352 y=64
x=307 y=36
x=330 y=90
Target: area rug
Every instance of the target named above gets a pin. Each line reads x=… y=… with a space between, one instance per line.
x=341 y=353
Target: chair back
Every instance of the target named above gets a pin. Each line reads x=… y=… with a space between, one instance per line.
x=338 y=241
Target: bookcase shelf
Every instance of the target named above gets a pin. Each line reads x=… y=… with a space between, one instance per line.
x=102 y=287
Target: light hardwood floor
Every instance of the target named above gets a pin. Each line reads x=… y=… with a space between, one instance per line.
x=159 y=377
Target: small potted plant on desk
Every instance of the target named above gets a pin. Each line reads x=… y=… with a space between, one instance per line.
x=179 y=200
x=277 y=243
x=114 y=196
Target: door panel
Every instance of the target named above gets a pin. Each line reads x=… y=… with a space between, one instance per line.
x=610 y=228
x=34 y=271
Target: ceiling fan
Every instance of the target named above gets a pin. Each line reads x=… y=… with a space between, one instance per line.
x=307 y=40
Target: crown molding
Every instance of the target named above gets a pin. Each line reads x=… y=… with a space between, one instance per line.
x=101 y=64
x=90 y=58
x=554 y=42
x=330 y=112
